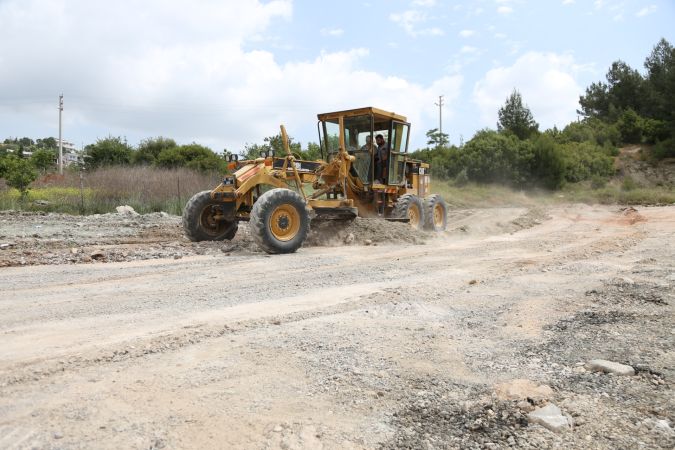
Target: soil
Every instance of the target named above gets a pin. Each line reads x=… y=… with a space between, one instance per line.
x=119 y=333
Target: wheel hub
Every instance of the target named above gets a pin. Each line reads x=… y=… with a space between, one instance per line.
x=285 y=222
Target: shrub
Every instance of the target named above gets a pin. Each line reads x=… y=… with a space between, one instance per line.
x=19 y=173
x=630 y=127
x=664 y=149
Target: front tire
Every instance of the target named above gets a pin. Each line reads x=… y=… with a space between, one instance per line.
x=279 y=221
x=199 y=220
x=410 y=207
x=435 y=213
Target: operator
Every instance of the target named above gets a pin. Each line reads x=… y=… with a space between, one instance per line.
x=381 y=156
x=368 y=146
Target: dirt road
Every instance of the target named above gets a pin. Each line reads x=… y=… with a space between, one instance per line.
x=410 y=341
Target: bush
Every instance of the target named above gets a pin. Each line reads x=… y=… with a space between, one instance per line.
x=19 y=173
x=630 y=127
x=583 y=160
x=462 y=179
x=664 y=149
x=548 y=165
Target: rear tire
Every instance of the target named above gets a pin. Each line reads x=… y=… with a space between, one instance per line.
x=435 y=213
x=199 y=222
x=279 y=221
x=410 y=206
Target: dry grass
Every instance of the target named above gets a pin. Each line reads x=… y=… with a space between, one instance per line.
x=488 y=195
x=146 y=189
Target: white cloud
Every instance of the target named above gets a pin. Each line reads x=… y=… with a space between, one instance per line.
x=505 y=10
x=467 y=33
x=646 y=11
x=411 y=20
x=332 y=32
x=468 y=49
x=568 y=2
x=427 y=3
x=546 y=81
x=178 y=72
x=500 y=36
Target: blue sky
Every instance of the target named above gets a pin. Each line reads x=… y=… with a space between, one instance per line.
x=227 y=73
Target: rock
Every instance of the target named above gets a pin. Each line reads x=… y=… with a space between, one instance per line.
x=278 y=429
x=663 y=426
x=126 y=209
x=5 y=246
x=349 y=238
x=549 y=417
x=367 y=242
x=524 y=405
x=74 y=251
x=42 y=202
x=522 y=389
x=602 y=365
x=58 y=435
x=97 y=255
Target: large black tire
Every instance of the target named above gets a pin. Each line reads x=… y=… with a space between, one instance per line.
x=279 y=221
x=435 y=213
x=198 y=221
x=410 y=206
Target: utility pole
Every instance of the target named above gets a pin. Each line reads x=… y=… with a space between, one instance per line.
x=60 y=137
x=440 y=119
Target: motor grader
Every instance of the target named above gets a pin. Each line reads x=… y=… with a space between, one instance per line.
x=279 y=195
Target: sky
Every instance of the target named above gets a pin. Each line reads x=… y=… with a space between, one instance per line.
x=226 y=73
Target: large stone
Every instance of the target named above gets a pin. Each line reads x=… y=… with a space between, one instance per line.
x=549 y=417
x=126 y=209
x=521 y=389
x=602 y=365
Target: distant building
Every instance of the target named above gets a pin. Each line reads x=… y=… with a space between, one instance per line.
x=70 y=153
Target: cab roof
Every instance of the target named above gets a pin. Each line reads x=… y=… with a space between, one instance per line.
x=378 y=113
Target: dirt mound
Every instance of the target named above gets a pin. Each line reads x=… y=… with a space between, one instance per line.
x=363 y=232
x=632 y=162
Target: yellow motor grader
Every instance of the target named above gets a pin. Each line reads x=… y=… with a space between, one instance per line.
x=279 y=195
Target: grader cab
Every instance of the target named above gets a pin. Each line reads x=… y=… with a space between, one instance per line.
x=364 y=171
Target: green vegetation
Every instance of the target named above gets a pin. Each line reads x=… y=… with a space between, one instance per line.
x=493 y=166
x=641 y=107
x=629 y=109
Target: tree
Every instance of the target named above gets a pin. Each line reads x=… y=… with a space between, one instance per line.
x=596 y=101
x=19 y=173
x=193 y=156
x=313 y=152
x=660 y=65
x=436 y=138
x=44 y=159
x=108 y=152
x=46 y=143
x=626 y=87
x=149 y=149
x=515 y=117
x=630 y=127
x=252 y=151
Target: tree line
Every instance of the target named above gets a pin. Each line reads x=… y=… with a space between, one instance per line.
x=630 y=108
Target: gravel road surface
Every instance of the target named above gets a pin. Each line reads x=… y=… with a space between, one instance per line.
x=116 y=332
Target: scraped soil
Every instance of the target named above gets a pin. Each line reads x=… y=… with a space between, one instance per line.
x=119 y=333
